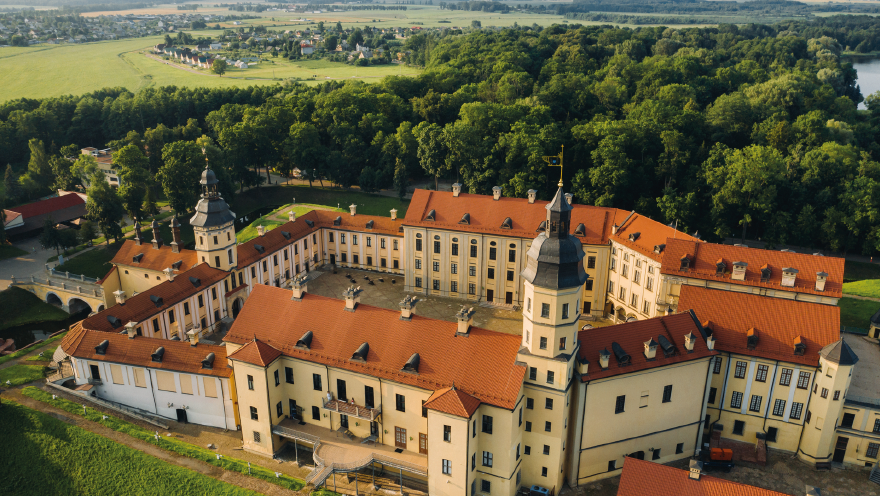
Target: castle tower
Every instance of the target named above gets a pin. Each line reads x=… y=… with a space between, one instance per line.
x=553 y=278
x=836 y=362
x=213 y=225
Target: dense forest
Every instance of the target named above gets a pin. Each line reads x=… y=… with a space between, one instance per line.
x=721 y=130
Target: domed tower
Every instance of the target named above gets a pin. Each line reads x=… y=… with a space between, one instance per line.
x=213 y=226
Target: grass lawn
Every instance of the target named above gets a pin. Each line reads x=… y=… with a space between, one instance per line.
x=9 y=251
x=47 y=356
x=43 y=455
x=27 y=308
x=856 y=313
x=867 y=287
x=167 y=443
x=367 y=203
x=278 y=217
x=21 y=374
x=48 y=352
x=858 y=271
x=93 y=263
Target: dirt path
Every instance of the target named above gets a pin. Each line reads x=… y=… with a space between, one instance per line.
x=199 y=466
x=857 y=297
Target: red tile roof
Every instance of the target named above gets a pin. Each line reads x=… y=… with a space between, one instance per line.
x=179 y=356
x=650 y=234
x=482 y=364
x=777 y=322
x=453 y=402
x=154 y=259
x=140 y=307
x=644 y=478
x=11 y=216
x=256 y=353
x=704 y=256
x=632 y=336
x=48 y=205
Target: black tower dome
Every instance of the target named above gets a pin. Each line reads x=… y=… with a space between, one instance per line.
x=211 y=210
x=555 y=259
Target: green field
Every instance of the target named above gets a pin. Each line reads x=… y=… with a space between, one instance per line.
x=867 y=287
x=857 y=313
x=273 y=196
x=43 y=455
x=857 y=271
x=278 y=217
x=17 y=375
x=93 y=263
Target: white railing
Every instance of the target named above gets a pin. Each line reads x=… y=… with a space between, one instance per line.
x=97 y=292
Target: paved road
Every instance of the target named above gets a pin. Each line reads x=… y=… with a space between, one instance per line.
x=34 y=262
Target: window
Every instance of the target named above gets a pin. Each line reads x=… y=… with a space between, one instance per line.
x=622 y=294
x=836 y=395
x=736 y=400
x=487 y=459
x=453 y=286
x=533 y=373
x=418 y=245
x=256 y=437
x=848 y=419
x=186 y=308
x=369 y=241
x=637 y=275
x=528 y=429
x=785 y=377
x=436 y=266
x=613 y=263
x=547 y=427
x=809 y=414
x=796 y=409
x=485 y=486
x=277 y=378
x=472 y=270
x=646 y=307
x=254 y=415
x=520 y=416
x=824 y=392
x=778 y=408
x=877 y=425
x=330 y=236
x=453 y=268
x=436 y=284
x=472 y=288
x=436 y=247
x=473 y=249
x=649 y=284
x=621 y=402
x=492 y=253
x=591 y=262
x=545 y=310
x=625 y=270
x=546 y=449
x=738 y=426
x=634 y=301
x=418 y=281
x=395 y=244
x=543 y=343
x=400 y=403
x=454 y=249
x=740 y=370
x=316 y=413
x=288 y=375
x=562 y=343
x=511 y=256
x=487 y=424
x=447 y=433
x=588 y=285
x=424 y=410
x=279 y=409
x=679 y=448
x=667 y=393
x=717 y=369
x=761 y=374
x=316 y=382
x=382 y=243
x=527 y=450
x=755 y=403
x=509 y=275
x=519 y=472
x=250 y=380
x=803 y=380
x=342 y=238
x=712 y=393
x=656 y=455
x=872 y=450
x=612 y=465
x=447 y=467
x=565 y=310
x=548 y=403
x=473 y=462
x=550 y=375
x=611 y=287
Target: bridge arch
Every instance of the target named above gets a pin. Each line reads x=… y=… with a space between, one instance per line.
x=77 y=305
x=54 y=299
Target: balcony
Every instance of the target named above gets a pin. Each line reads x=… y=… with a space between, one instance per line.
x=352 y=409
x=95 y=382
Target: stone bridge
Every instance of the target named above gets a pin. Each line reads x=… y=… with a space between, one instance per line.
x=71 y=292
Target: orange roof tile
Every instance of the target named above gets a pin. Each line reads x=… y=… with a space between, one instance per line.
x=650 y=234
x=179 y=356
x=140 y=307
x=153 y=259
x=256 y=352
x=483 y=364
x=642 y=478
x=704 y=256
x=453 y=402
x=632 y=336
x=777 y=322
x=383 y=225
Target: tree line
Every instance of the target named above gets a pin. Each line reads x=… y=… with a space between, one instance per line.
x=726 y=131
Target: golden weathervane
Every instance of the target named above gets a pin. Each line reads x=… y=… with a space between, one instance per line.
x=556 y=161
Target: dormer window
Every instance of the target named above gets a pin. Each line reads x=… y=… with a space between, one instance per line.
x=766 y=272
x=685 y=263
x=465 y=219
x=752 y=339
x=337 y=221
x=432 y=215
x=542 y=226
x=659 y=248
x=739 y=271
x=800 y=346
x=580 y=230
x=507 y=224
x=720 y=267
x=634 y=236
x=789 y=275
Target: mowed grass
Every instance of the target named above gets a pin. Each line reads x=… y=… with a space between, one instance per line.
x=93 y=263
x=367 y=203
x=47 y=352
x=42 y=455
x=18 y=374
x=276 y=218
x=23 y=307
x=857 y=313
x=868 y=287
x=857 y=271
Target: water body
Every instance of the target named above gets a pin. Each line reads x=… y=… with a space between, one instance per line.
x=869 y=76
x=28 y=333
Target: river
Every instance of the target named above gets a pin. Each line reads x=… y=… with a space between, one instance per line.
x=869 y=76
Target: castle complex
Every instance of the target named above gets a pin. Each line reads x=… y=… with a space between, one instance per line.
x=711 y=344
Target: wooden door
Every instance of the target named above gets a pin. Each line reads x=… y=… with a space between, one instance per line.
x=840 y=449
x=508 y=298
x=490 y=294
x=400 y=437
x=423 y=443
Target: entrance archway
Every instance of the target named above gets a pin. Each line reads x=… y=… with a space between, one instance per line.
x=53 y=299
x=621 y=315
x=236 y=307
x=76 y=305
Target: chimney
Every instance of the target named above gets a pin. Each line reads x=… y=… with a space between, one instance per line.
x=261 y=230
x=614 y=229
x=689 y=341
x=120 y=296
x=137 y=233
x=408 y=307
x=193 y=336
x=291 y=216
x=157 y=238
x=696 y=469
x=820 y=281
x=456 y=190
x=496 y=192
x=710 y=342
x=812 y=490
x=169 y=273
x=465 y=318
x=789 y=275
x=131 y=330
x=604 y=356
x=353 y=208
x=532 y=193
x=393 y=214
x=568 y=197
x=175 y=233
x=299 y=288
x=739 y=271
x=650 y=349
x=352 y=298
